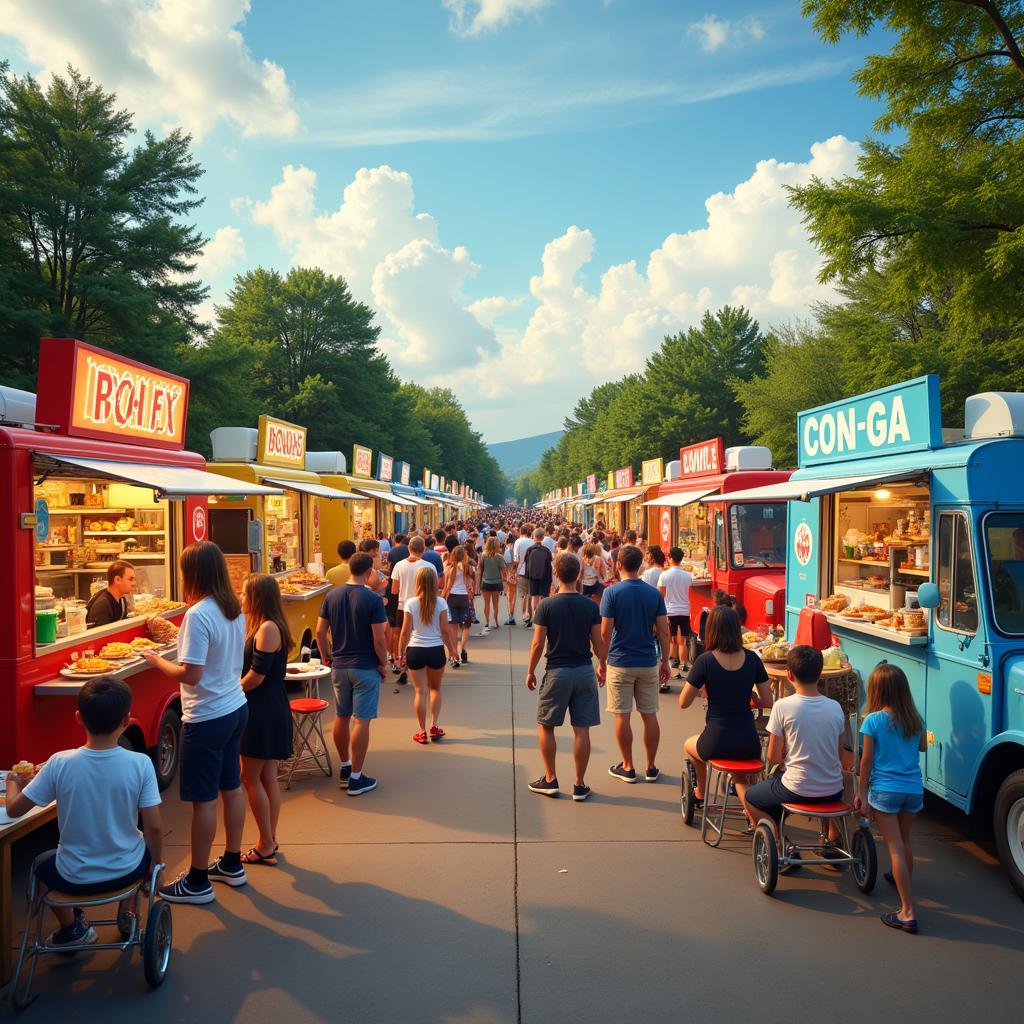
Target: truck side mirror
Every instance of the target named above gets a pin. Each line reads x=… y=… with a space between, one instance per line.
x=928 y=595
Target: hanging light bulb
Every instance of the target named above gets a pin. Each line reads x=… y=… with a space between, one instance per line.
x=882 y=494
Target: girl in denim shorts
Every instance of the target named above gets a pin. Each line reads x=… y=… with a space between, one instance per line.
x=890 y=773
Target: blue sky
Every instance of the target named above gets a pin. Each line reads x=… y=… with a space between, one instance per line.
x=529 y=180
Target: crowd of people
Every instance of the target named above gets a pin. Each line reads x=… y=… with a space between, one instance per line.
x=606 y=611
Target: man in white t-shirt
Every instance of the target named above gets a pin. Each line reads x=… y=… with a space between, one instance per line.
x=549 y=540
x=519 y=549
x=403 y=577
x=674 y=584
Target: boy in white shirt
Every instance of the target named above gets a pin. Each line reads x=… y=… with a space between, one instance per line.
x=100 y=790
x=674 y=584
x=808 y=736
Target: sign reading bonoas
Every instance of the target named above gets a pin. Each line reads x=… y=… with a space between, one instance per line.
x=281 y=443
x=901 y=418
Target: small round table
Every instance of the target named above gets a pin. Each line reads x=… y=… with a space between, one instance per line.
x=841 y=684
x=310 y=675
x=311 y=755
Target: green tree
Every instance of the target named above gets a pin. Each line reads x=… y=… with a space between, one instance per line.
x=92 y=239
x=939 y=211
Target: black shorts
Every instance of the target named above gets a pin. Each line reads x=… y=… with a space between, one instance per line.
x=540 y=588
x=210 y=753
x=492 y=588
x=391 y=609
x=425 y=657
x=45 y=869
x=771 y=794
x=592 y=589
x=679 y=624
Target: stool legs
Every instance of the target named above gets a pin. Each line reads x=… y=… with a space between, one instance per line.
x=21 y=987
x=312 y=754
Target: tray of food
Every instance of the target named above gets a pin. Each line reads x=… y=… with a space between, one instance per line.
x=143 y=643
x=163 y=631
x=833 y=603
x=776 y=651
x=86 y=668
x=117 y=651
x=305 y=579
x=864 y=613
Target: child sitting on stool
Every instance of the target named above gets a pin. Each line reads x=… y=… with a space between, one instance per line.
x=100 y=789
x=807 y=734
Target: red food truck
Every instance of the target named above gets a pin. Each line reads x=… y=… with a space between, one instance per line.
x=739 y=547
x=94 y=472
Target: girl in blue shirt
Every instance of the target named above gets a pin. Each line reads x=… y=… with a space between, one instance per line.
x=890 y=773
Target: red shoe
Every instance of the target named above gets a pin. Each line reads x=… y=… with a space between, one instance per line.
x=436 y=733
x=420 y=737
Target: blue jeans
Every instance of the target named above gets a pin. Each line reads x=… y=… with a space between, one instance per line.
x=356 y=692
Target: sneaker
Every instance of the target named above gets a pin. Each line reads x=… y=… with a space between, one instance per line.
x=465 y=656
x=436 y=733
x=363 y=784
x=674 y=662
x=455 y=663
x=484 y=631
x=580 y=793
x=527 y=624
x=179 y=891
x=510 y=621
x=78 y=933
x=664 y=688
x=395 y=670
x=126 y=925
x=618 y=772
x=403 y=678
x=544 y=787
x=219 y=873
x=344 y=774
x=652 y=775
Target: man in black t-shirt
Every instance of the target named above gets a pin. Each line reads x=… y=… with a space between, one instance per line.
x=570 y=624
x=110 y=604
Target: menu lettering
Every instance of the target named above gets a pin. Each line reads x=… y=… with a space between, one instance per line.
x=120 y=397
x=702 y=459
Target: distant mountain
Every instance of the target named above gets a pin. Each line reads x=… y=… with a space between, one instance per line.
x=516 y=457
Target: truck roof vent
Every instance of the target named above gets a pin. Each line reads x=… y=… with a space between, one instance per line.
x=994 y=414
x=326 y=462
x=17 y=408
x=673 y=470
x=747 y=457
x=234 y=444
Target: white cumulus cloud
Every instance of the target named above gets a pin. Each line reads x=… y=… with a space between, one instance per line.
x=474 y=17
x=226 y=249
x=171 y=62
x=713 y=32
x=752 y=250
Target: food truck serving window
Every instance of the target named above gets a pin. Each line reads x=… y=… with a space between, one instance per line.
x=958 y=607
x=1004 y=543
x=758 y=534
x=93 y=523
x=284 y=532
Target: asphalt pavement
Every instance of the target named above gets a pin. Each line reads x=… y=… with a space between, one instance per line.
x=453 y=894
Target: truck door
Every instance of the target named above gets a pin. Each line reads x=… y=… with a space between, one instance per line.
x=958 y=703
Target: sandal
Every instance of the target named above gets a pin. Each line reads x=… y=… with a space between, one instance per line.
x=892 y=920
x=253 y=856
x=420 y=737
x=436 y=732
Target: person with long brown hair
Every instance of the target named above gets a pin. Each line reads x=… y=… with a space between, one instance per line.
x=456 y=592
x=211 y=647
x=890 y=775
x=728 y=673
x=490 y=582
x=425 y=634
x=268 y=734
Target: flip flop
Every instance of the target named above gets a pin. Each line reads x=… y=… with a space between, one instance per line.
x=253 y=856
x=891 y=920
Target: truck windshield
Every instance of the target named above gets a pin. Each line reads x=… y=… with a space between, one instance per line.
x=758 y=534
x=1004 y=542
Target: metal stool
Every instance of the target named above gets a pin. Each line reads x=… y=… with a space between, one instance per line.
x=154 y=940
x=716 y=797
x=311 y=754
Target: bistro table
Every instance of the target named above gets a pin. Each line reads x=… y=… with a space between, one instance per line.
x=11 y=830
x=310 y=754
x=310 y=675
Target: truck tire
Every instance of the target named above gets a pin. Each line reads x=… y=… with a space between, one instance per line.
x=167 y=752
x=1008 y=824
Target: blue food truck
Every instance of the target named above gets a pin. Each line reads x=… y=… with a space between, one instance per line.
x=910 y=539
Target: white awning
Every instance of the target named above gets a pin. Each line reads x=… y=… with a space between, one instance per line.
x=167 y=481
x=395 y=499
x=681 y=498
x=316 y=490
x=804 y=490
x=416 y=499
x=625 y=497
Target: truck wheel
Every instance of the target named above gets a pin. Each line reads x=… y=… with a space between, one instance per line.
x=1008 y=822
x=167 y=751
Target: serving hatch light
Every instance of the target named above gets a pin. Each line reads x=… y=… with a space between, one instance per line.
x=882 y=494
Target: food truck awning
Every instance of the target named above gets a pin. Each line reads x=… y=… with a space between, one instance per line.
x=395 y=499
x=592 y=500
x=168 y=481
x=681 y=498
x=628 y=496
x=316 y=490
x=804 y=490
x=416 y=500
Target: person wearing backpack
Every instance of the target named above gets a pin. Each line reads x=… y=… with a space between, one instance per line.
x=538 y=570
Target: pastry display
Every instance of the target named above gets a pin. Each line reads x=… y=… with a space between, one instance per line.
x=143 y=643
x=163 y=631
x=834 y=603
x=306 y=579
x=776 y=651
x=92 y=666
x=291 y=588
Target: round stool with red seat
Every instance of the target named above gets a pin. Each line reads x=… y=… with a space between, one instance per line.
x=312 y=756
x=717 y=803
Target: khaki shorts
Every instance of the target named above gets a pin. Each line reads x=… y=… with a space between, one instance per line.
x=626 y=685
x=522 y=586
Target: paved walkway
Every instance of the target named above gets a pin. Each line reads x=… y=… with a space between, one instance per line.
x=453 y=894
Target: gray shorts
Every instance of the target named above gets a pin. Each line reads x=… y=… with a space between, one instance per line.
x=356 y=692
x=572 y=689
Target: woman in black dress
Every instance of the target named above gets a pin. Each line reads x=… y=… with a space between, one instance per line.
x=268 y=734
x=728 y=673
